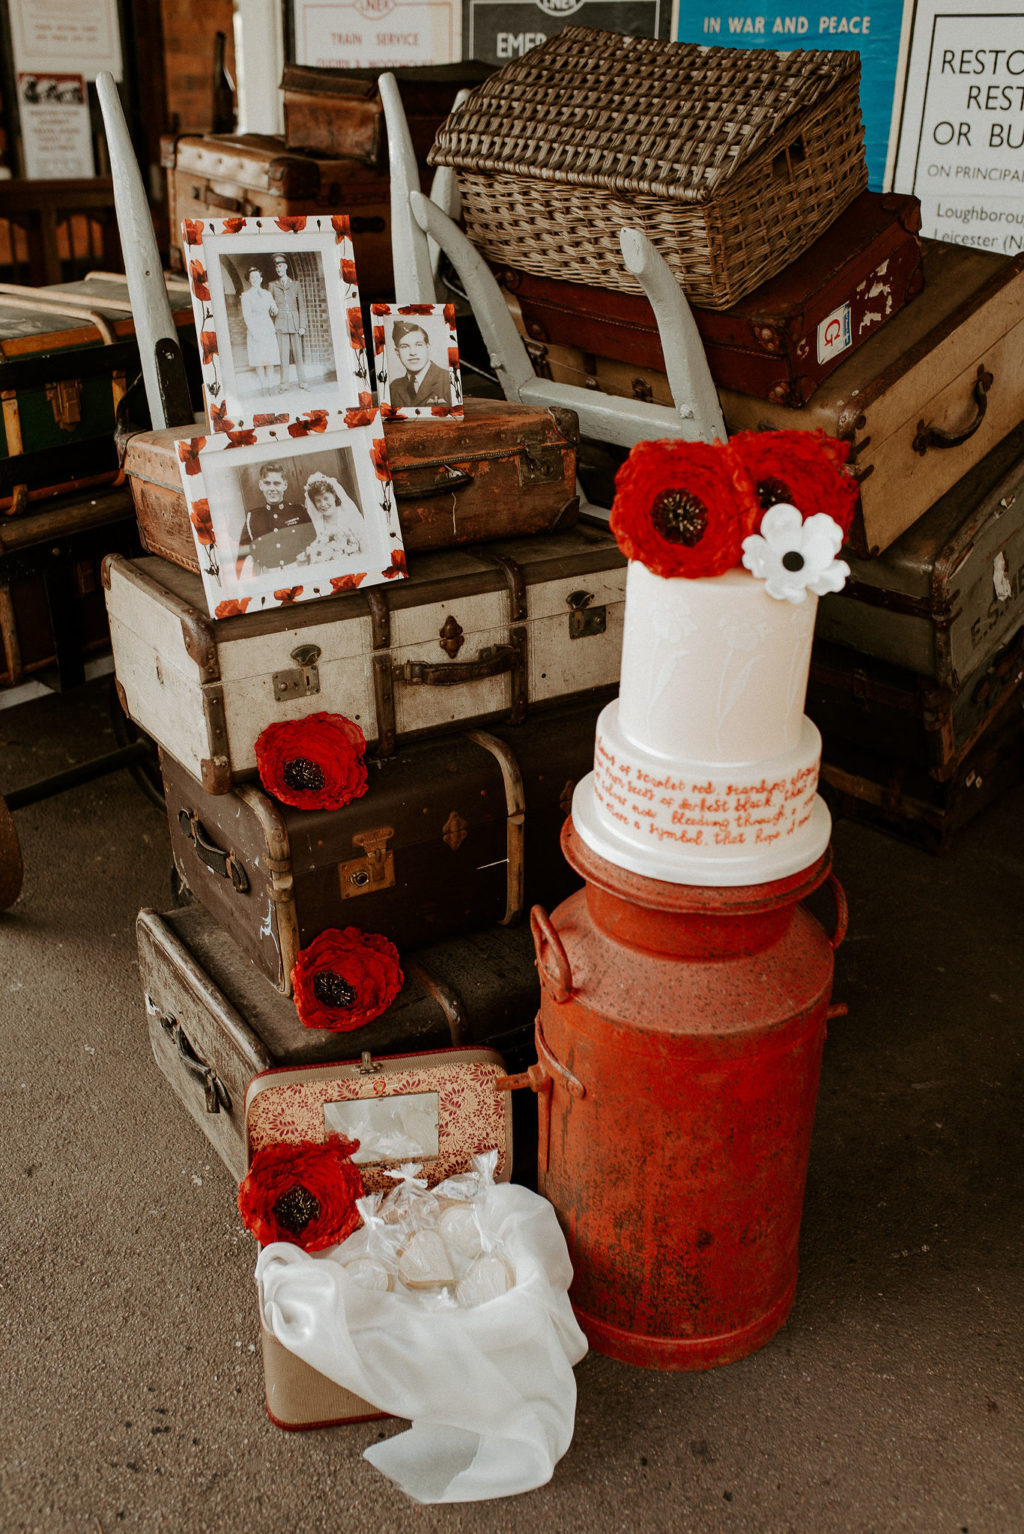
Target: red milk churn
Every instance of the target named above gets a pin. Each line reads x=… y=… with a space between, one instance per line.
x=679 y=1044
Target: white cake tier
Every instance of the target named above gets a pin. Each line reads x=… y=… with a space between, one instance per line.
x=714 y=671
x=693 y=823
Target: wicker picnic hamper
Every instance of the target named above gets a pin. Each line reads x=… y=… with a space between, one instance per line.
x=732 y=161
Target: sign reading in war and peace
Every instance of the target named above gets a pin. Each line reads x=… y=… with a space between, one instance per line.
x=376 y=34
x=872 y=28
x=961 y=140
x=498 y=30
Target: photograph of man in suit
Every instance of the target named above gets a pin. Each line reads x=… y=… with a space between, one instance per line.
x=289 y=322
x=276 y=530
x=424 y=383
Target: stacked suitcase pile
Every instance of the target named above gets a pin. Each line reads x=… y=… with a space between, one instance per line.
x=906 y=348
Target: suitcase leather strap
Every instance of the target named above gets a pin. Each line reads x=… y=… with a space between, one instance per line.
x=223 y=863
x=217 y=1094
x=515 y=804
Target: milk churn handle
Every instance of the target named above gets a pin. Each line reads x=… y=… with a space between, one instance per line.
x=842 y=911
x=552 y=960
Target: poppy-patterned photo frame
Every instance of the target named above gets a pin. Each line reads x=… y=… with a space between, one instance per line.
x=292 y=512
x=276 y=305
x=416 y=361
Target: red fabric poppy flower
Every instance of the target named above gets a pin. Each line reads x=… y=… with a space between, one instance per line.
x=379 y=455
x=802 y=468
x=200 y=518
x=360 y=417
x=680 y=510
x=345 y=978
x=304 y=1192
x=347 y=582
x=200 y=281
x=287 y=595
x=316 y=763
x=291 y=224
x=208 y=342
x=355 y=328
x=192 y=228
x=219 y=418
x=188 y=452
x=340 y=225
x=232 y=609
x=348 y=272
x=397 y=565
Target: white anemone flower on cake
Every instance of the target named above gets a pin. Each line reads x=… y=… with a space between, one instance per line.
x=794 y=556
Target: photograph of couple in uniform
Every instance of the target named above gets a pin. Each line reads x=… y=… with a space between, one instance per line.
x=298 y=517
x=278 y=349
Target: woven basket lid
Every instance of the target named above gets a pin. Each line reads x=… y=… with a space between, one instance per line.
x=634 y=114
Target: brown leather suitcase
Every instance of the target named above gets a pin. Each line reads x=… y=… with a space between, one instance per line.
x=339 y=111
x=255 y=175
x=780 y=341
x=503 y=470
x=452 y=835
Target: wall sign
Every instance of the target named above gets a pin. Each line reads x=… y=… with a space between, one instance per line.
x=51 y=36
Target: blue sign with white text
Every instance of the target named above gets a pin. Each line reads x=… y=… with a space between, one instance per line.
x=872 y=28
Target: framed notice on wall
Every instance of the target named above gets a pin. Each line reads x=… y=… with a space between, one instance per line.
x=60 y=36
x=872 y=27
x=498 y=30
x=376 y=34
x=961 y=131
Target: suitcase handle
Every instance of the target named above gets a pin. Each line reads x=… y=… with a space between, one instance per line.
x=217 y=1094
x=446 y=479
x=453 y=673
x=934 y=436
x=223 y=863
x=212 y=199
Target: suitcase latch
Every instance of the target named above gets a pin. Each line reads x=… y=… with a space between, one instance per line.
x=66 y=402
x=375 y=870
x=539 y=466
x=303 y=680
x=585 y=620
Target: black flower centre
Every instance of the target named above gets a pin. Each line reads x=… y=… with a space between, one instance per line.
x=303 y=775
x=792 y=560
x=296 y=1208
x=679 y=517
x=330 y=989
x=772 y=492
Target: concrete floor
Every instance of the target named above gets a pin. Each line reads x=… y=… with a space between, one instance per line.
x=132 y=1386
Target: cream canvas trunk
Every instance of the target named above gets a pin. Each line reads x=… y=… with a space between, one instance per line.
x=474 y=634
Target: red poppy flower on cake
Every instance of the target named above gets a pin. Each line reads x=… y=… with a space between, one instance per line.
x=345 y=978
x=304 y=1193
x=316 y=763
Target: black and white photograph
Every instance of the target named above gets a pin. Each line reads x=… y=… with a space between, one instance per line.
x=416 y=360
x=288 y=519
x=277 y=310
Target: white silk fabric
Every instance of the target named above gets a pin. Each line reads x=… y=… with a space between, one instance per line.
x=489 y=1390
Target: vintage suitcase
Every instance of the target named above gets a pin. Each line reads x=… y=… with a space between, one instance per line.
x=256 y=175
x=856 y=699
x=53 y=617
x=949 y=592
x=68 y=357
x=451 y=835
x=475 y=634
x=215 y=1022
x=502 y=471
x=781 y=340
x=339 y=112
x=926 y=398
x=921 y=402
x=907 y=802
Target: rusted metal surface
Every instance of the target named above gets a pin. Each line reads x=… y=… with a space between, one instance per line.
x=679 y=1038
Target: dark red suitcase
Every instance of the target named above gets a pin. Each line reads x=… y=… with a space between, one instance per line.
x=451 y=836
x=783 y=339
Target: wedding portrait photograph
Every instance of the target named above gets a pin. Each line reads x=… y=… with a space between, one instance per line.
x=277 y=311
x=289 y=519
x=416 y=360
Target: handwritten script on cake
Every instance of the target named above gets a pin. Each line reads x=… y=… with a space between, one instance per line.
x=752 y=808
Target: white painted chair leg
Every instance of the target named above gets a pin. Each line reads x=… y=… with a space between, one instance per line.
x=689 y=376
x=410 y=252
